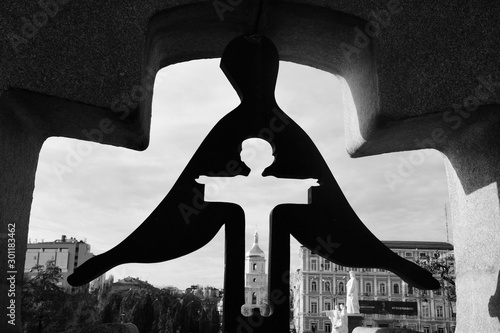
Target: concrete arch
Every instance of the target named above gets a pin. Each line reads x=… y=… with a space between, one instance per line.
x=426 y=86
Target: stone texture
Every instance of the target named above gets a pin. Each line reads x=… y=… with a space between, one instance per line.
x=429 y=55
x=473 y=171
x=107 y=328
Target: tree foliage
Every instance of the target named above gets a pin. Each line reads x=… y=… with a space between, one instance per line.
x=42 y=299
x=50 y=308
x=442 y=266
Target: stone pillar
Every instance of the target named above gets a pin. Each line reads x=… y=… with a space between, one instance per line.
x=19 y=150
x=473 y=170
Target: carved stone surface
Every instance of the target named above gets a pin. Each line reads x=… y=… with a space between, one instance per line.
x=107 y=328
x=424 y=77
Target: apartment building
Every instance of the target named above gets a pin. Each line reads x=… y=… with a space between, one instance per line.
x=385 y=299
x=66 y=253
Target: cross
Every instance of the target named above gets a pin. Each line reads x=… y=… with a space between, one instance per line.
x=271 y=191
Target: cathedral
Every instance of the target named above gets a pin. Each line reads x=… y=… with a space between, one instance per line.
x=256 y=277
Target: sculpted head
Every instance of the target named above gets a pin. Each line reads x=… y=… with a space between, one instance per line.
x=352 y=274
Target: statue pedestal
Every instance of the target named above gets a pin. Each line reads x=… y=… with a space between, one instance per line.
x=354 y=320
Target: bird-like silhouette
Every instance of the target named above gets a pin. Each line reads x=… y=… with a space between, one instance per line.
x=183 y=222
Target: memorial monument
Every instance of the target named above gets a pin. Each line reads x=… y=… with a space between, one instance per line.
x=184 y=221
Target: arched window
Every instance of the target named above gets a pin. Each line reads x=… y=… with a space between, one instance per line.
x=314 y=286
x=368 y=287
x=254 y=298
x=327 y=286
x=396 y=288
x=341 y=287
x=382 y=288
x=254 y=267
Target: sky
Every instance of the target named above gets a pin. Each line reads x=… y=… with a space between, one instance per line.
x=107 y=192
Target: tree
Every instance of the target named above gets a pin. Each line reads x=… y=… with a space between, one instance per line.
x=43 y=299
x=215 y=321
x=442 y=266
x=143 y=313
x=110 y=312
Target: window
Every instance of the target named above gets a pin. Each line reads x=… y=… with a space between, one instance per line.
x=396 y=288
x=427 y=330
x=313 y=327
x=425 y=310
x=408 y=254
x=314 y=286
x=423 y=254
x=327 y=286
x=254 y=298
x=314 y=266
x=314 y=307
x=440 y=330
x=327 y=265
x=328 y=327
x=368 y=287
x=254 y=280
x=382 y=288
x=328 y=306
x=254 y=267
x=341 y=287
x=439 y=311
x=410 y=290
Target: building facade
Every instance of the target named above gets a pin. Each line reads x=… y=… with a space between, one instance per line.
x=66 y=253
x=385 y=299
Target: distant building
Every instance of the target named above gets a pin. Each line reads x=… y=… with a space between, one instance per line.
x=256 y=277
x=67 y=253
x=204 y=292
x=385 y=299
x=129 y=283
x=172 y=290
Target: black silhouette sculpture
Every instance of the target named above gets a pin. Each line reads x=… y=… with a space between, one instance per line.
x=184 y=222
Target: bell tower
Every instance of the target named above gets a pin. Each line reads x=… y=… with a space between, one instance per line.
x=256 y=277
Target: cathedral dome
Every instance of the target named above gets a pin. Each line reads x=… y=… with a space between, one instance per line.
x=255 y=251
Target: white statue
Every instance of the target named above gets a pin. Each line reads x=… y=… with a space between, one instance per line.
x=352 y=294
x=338 y=319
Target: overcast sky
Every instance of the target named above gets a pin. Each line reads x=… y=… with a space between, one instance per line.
x=110 y=191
